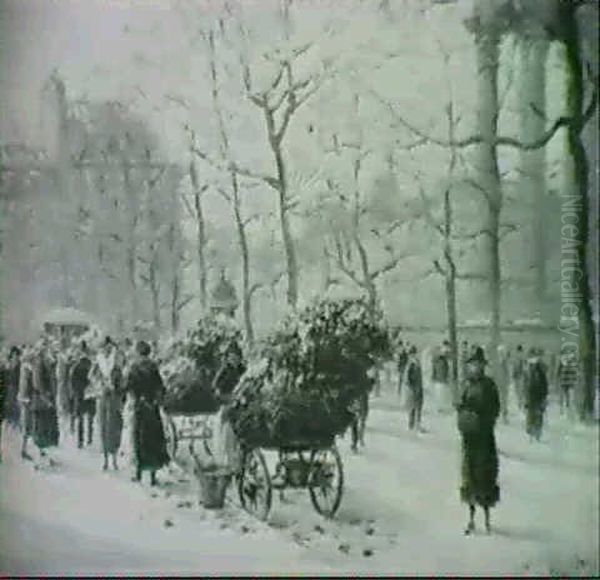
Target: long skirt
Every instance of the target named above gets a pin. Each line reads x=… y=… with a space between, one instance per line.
x=534 y=420
x=45 y=428
x=479 y=485
x=127 y=444
x=443 y=395
x=111 y=421
x=225 y=446
x=10 y=406
x=149 y=437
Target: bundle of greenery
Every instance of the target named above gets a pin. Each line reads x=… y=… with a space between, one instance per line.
x=308 y=374
x=191 y=365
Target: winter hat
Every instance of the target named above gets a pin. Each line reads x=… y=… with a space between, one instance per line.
x=478 y=355
x=143 y=348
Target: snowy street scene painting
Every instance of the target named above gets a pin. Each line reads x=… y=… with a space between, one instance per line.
x=299 y=288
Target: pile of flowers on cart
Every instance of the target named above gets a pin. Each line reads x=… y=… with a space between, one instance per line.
x=190 y=365
x=308 y=373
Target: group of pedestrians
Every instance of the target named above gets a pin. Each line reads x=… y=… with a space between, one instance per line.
x=526 y=377
x=54 y=389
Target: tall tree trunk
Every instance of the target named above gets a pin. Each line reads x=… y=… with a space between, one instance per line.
x=450 y=286
x=534 y=54
x=243 y=242
x=155 y=293
x=286 y=232
x=174 y=309
x=131 y=252
x=201 y=236
x=368 y=281
x=451 y=312
x=326 y=271
x=488 y=176
x=450 y=272
x=175 y=260
x=575 y=290
x=64 y=170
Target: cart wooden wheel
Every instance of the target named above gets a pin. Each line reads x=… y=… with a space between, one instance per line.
x=255 y=487
x=171 y=437
x=326 y=481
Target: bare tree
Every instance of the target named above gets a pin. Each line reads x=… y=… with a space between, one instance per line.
x=347 y=243
x=534 y=46
x=197 y=212
x=278 y=104
x=232 y=195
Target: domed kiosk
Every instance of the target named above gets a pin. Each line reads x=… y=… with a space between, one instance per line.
x=224 y=298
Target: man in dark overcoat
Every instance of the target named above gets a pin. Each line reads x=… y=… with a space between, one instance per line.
x=84 y=403
x=478 y=409
x=535 y=394
x=414 y=385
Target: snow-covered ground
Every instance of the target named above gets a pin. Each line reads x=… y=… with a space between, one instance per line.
x=400 y=513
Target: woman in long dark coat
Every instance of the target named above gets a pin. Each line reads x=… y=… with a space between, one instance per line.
x=145 y=384
x=107 y=374
x=45 y=418
x=478 y=410
x=12 y=376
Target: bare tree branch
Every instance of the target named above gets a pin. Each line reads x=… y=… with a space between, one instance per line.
x=476 y=139
x=438 y=268
x=232 y=166
x=389 y=266
x=184 y=302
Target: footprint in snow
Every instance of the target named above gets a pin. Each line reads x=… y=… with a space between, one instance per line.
x=344 y=548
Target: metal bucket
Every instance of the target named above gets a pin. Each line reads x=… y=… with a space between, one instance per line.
x=213 y=487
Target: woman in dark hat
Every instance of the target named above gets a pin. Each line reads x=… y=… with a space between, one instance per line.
x=107 y=375
x=146 y=386
x=478 y=409
x=12 y=375
x=414 y=384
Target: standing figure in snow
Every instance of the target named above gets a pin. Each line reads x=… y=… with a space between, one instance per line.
x=440 y=375
x=84 y=404
x=517 y=375
x=478 y=409
x=127 y=447
x=566 y=377
x=146 y=385
x=63 y=364
x=12 y=375
x=462 y=361
x=25 y=398
x=107 y=373
x=402 y=361
x=503 y=380
x=45 y=418
x=414 y=385
x=225 y=445
x=535 y=394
